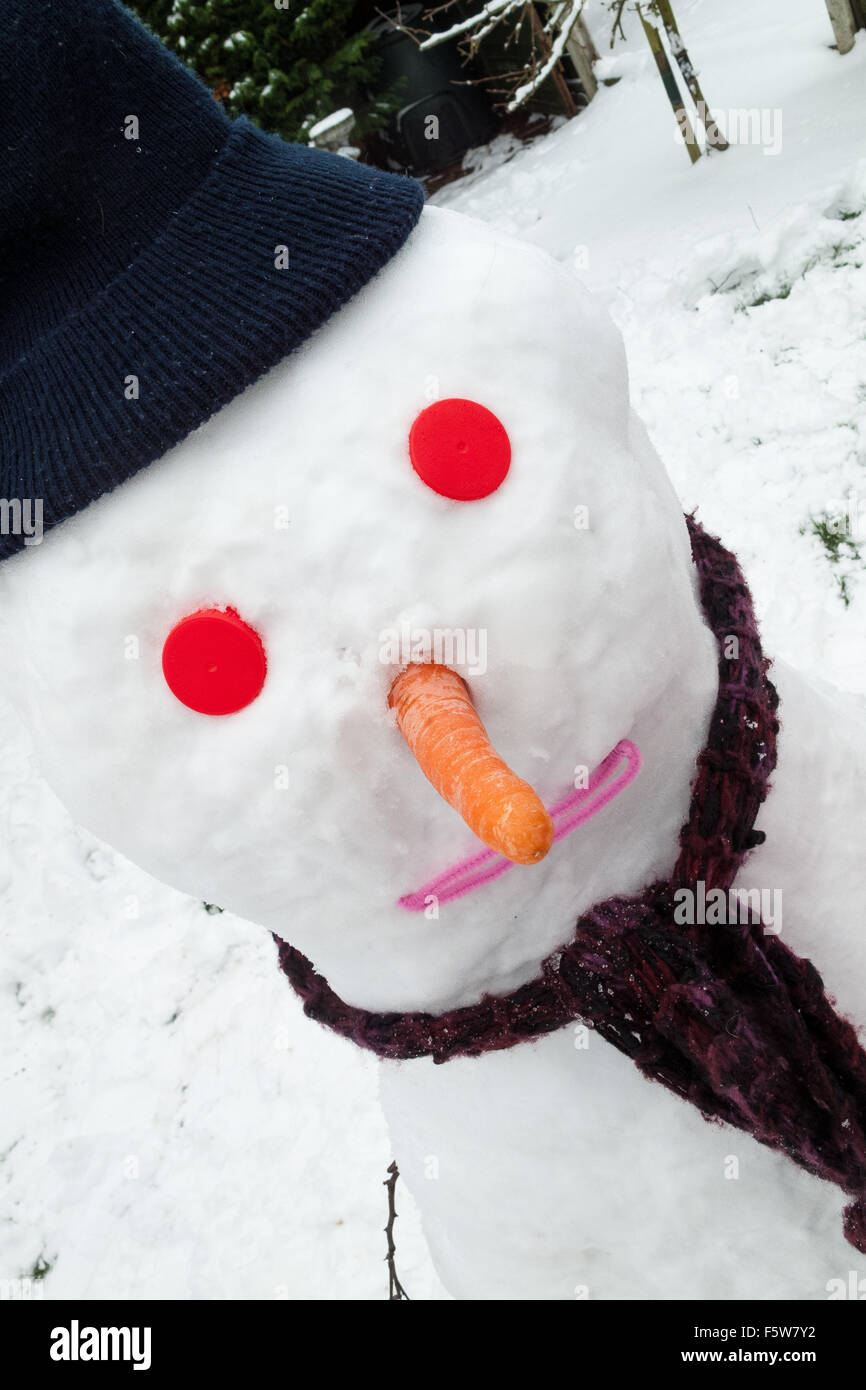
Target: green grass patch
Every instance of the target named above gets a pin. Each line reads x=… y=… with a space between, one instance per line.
x=841 y=549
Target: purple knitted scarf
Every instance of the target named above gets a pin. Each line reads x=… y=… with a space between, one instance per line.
x=725 y=1016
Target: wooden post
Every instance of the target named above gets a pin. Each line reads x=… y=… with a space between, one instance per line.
x=586 y=38
x=568 y=103
x=715 y=138
x=581 y=54
x=670 y=86
x=844 y=24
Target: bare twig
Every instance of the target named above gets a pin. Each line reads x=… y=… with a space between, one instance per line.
x=396 y=1291
x=551 y=53
x=547 y=43
x=493 y=8
x=618 y=6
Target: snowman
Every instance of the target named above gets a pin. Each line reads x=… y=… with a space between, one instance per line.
x=432 y=680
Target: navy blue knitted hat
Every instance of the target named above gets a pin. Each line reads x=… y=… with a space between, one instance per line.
x=155 y=257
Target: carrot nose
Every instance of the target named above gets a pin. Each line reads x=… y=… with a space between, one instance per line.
x=438 y=720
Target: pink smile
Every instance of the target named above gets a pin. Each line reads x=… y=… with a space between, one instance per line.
x=611 y=777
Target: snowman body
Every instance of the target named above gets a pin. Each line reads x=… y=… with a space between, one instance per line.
x=553 y=1169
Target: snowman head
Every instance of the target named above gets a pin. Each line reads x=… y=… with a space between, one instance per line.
x=560 y=589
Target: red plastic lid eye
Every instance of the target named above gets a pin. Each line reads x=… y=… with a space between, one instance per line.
x=459 y=449
x=214 y=662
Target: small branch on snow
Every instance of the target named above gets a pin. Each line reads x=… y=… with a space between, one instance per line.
x=396 y=1292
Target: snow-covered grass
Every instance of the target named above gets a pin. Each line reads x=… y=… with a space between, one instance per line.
x=171 y=1126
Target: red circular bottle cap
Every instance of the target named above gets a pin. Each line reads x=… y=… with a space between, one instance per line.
x=214 y=662
x=459 y=449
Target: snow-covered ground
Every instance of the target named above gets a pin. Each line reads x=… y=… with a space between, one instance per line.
x=170 y=1124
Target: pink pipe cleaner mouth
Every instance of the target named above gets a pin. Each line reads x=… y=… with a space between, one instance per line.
x=612 y=776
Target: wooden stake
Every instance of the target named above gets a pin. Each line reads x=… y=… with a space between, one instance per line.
x=715 y=138
x=844 y=24
x=670 y=86
x=583 y=53
x=586 y=38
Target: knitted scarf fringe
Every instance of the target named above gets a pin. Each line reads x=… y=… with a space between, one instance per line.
x=727 y=1017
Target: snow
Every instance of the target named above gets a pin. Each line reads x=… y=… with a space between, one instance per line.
x=171 y=1126
x=330 y=122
